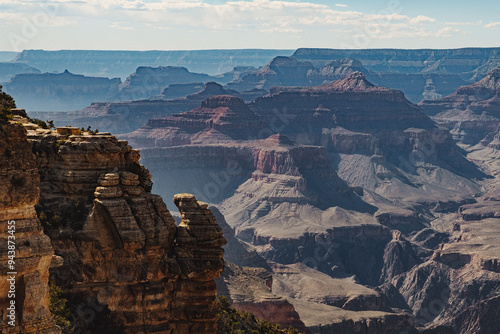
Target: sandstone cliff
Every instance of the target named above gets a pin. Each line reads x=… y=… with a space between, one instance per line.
x=152 y=275
x=20 y=184
x=123 y=263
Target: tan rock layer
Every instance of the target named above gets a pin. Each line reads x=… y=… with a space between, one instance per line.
x=19 y=184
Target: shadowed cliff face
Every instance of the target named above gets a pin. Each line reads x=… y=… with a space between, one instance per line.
x=123 y=263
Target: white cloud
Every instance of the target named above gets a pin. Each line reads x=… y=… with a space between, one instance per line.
x=463 y=23
x=422 y=19
x=281 y=30
x=118 y=25
x=449 y=32
x=493 y=25
x=341 y=5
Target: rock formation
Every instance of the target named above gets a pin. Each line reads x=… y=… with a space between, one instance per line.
x=123 y=263
x=8 y=70
x=250 y=289
x=291 y=71
x=407 y=61
x=32 y=250
x=122 y=117
x=472 y=112
x=176 y=91
x=99 y=63
x=146 y=82
x=344 y=177
x=354 y=120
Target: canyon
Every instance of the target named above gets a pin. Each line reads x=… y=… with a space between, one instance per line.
x=343 y=206
x=362 y=207
x=420 y=74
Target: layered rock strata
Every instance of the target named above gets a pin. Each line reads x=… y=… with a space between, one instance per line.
x=286 y=196
x=472 y=112
x=250 y=289
x=122 y=117
x=128 y=268
x=24 y=272
x=416 y=83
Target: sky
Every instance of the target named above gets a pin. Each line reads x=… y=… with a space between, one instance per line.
x=239 y=24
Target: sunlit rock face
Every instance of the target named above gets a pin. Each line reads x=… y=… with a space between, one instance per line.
x=20 y=184
x=123 y=263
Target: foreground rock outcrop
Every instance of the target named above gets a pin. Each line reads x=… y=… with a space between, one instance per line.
x=122 y=262
x=24 y=271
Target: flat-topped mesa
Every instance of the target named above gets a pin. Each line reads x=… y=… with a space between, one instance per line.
x=287 y=67
x=279 y=71
x=60 y=91
x=148 y=81
x=121 y=247
x=340 y=69
x=226 y=101
x=212 y=88
x=278 y=154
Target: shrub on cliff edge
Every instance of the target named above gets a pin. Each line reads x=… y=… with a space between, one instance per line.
x=6 y=104
x=60 y=311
